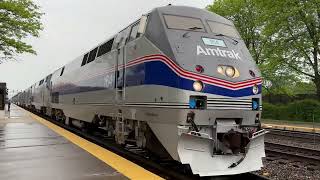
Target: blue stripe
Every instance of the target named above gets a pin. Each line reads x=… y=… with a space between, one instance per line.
x=160 y=74
x=152 y=73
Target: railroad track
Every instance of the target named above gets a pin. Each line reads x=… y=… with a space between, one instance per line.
x=294 y=134
x=165 y=169
x=308 y=157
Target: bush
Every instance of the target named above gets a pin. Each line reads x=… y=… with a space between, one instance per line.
x=304 y=110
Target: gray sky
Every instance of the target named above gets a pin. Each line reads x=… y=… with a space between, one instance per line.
x=71 y=27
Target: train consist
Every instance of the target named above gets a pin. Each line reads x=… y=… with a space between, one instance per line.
x=179 y=83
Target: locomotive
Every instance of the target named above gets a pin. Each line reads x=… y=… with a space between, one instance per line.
x=178 y=82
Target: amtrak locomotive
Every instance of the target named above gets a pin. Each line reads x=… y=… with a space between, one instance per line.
x=179 y=82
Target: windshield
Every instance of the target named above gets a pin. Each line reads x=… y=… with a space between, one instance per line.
x=184 y=23
x=224 y=29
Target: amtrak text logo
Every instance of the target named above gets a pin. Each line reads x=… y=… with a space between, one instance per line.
x=217 y=52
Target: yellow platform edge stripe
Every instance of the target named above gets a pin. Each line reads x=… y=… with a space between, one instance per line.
x=122 y=165
x=290 y=127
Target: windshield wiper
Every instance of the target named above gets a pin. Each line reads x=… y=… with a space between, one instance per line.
x=194 y=28
x=235 y=42
x=185 y=35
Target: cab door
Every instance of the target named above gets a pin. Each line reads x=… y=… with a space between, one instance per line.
x=48 y=91
x=120 y=65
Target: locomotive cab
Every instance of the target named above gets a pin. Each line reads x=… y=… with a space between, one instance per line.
x=202 y=43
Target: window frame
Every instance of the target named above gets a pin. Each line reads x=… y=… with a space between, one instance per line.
x=84 y=59
x=165 y=22
x=124 y=36
x=109 y=47
x=135 y=24
x=95 y=55
x=207 y=21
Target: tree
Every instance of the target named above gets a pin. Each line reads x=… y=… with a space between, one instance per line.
x=246 y=16
x=18 y=19
x=294 y=26
x=282 y=36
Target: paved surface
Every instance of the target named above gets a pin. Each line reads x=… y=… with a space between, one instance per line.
x=30 y=150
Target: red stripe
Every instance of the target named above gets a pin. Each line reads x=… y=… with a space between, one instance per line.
x=204 y=76
x=185 y=74
x=190 y=75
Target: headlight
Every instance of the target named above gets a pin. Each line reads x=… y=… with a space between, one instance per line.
x=255 y=89
x=220 y=70
x=230 y=71
x=198 y=86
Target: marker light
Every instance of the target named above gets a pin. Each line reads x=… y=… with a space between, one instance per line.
x=255 y=89
x=198 y=86
x=255 y=105
x=230 y=71
x=199 y=69
x=192 y=103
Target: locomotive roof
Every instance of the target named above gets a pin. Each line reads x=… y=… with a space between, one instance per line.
x=173 y=10
x=193 y=12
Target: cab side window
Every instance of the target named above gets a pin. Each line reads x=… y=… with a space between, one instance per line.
x=84 y=60
x=105 y=48
x=92 y=55
x=122 y=37
x=134 y=32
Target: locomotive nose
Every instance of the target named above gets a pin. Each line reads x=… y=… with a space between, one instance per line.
x=195 y=149
x=228 y=63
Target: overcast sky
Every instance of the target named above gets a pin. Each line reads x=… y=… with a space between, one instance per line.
x=71 y=27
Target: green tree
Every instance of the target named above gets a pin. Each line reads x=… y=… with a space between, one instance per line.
x=282 y=36
x=18 y=19
x=304 y=88
x=246 y=16
x=294 y=26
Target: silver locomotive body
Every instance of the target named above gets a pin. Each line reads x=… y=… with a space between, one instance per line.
x=178 y=82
